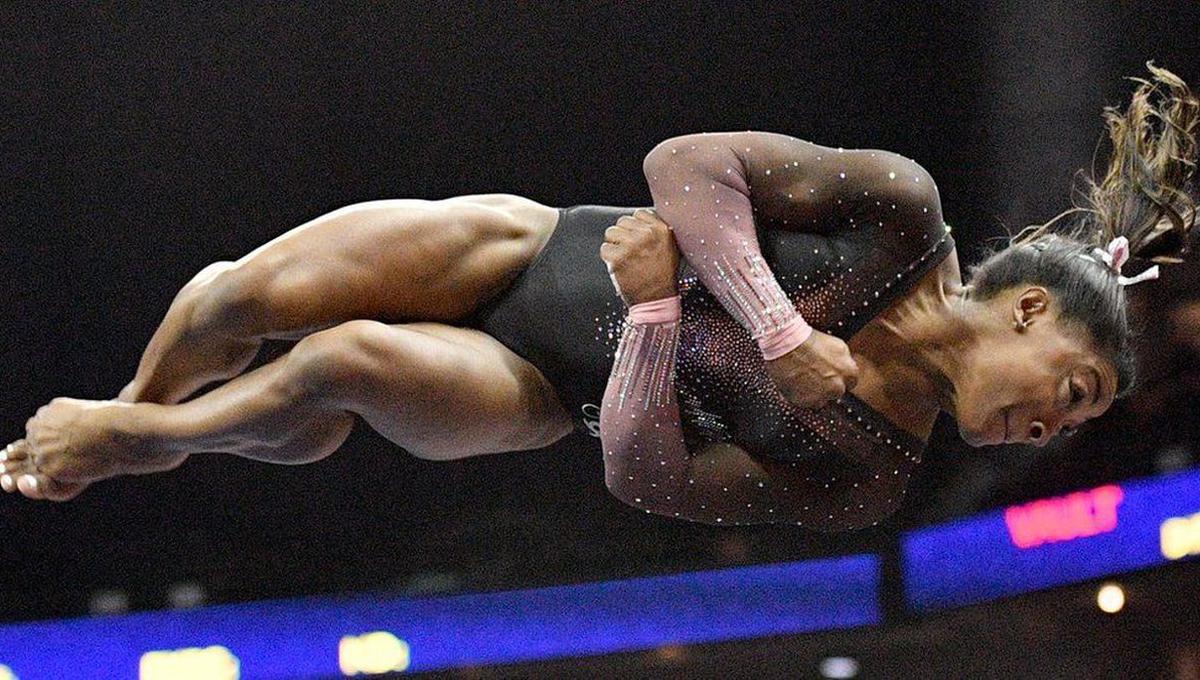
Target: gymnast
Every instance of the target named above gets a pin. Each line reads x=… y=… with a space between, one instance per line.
x=789 y=368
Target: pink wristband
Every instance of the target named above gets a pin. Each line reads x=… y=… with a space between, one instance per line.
x=779 y=342
x=656 y=311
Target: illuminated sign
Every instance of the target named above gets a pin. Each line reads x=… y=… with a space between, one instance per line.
x=365 y=635
x=1180 y=537
x=1057 y=541
x=378 y=652
x=1084 y=513
x=193 y=663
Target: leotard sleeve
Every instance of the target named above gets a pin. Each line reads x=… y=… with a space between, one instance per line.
x=716 y=189
x=648 y=465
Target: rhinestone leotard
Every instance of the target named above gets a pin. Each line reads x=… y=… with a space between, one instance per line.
x=659 y=396
x=871 y=218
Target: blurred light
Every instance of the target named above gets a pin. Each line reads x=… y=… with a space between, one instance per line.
x=839 y=667
x=193 y=663
x=1173 y=458
x=1179 y=537
x=185 y=595
x=1050 y=520
x=1110 y=598
x=432 y=583
x=6 y=673
x=108 y=602
x=671 y=653
x=373 y=653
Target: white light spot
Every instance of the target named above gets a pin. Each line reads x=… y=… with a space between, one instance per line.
x=1110 y=598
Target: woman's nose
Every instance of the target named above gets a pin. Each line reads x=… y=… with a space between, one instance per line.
x=1036 y=430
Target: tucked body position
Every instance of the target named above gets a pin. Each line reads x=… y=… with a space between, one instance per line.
x=771 y=341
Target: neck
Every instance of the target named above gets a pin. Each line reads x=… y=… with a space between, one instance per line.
x=934 y=333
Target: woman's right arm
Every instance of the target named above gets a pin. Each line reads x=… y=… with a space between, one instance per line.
x=646 y=462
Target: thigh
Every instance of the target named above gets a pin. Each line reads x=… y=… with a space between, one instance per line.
x=390 y=260
x=445 y=392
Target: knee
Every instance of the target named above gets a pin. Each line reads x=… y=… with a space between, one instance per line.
x=348 y=358
x=241 y=301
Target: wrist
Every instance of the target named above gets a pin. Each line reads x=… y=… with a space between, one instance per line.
x=652 y=295
x=661 y=310
x=784 y=339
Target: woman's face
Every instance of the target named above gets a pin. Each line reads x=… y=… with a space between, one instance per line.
x=1027 y=385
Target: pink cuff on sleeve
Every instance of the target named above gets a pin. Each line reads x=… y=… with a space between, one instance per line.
x=787 y=338
x=656 y=311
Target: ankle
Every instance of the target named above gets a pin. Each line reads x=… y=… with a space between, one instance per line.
x=139 y=429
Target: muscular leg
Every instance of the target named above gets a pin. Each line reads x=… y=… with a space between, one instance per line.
x=439 y=391
x=391 y=260
x=187 y=352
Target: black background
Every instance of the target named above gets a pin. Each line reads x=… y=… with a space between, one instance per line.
x=139 y=145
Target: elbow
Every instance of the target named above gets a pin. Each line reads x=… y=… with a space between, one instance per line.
x=648 y=503
x=667 y=154
x=657 y=160
x=908 y=184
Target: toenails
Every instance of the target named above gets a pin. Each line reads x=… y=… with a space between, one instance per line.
x=28 y=485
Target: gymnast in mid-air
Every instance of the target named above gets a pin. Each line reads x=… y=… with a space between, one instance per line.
x=788 y=369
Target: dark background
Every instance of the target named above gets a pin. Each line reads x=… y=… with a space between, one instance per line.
x=139 y=145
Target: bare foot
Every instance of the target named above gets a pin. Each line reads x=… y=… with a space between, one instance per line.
x=70 y=443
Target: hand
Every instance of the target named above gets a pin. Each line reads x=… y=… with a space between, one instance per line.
x=642 y=257
x=817 y=372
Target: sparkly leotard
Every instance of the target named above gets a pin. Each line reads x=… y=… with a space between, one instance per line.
x=760 y=218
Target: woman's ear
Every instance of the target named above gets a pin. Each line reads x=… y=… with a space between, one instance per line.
x=1028 y=304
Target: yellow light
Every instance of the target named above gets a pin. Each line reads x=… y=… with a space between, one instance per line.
x=371 y=653
x=1179 y=537
x=6 y=673
x=1110 y=598
x=192 y=663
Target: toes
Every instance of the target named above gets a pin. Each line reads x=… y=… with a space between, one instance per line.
x=30 y=485
x=40 y=487
x=17 y=450
x=18 y=474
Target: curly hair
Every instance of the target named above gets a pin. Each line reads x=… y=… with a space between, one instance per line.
x=1148 y=195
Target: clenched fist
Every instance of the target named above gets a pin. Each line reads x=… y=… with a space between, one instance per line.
x=642 y=257
x=817 y=372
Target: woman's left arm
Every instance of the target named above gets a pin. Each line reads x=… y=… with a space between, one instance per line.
x=648 y=466
x=716 y=189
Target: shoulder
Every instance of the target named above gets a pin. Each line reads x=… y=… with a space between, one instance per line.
x=887 y=174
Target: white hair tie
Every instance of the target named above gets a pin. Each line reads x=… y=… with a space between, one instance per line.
x=1115 y=256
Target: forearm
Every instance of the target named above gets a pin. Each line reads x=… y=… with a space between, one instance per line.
x=645 y=458
x=700 y=187
x=646 y=462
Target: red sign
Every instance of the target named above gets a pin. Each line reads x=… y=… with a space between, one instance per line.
x=1084 y=513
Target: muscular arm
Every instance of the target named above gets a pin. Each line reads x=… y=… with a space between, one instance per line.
x=646 y=462
x=717 y=189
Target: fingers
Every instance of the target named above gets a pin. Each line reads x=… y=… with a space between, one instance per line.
x=648 y=216
x=627 y=224
x=850 y=373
